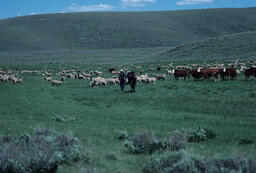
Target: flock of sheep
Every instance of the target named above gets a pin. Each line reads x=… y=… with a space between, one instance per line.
x=96 y=77
x=14 y=78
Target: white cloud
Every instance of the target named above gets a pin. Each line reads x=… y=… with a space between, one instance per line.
x=135 y=3
x=32 y=13
x=192 y=2
x=97 y=7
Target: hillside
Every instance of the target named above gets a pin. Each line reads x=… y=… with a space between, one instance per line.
x=229 y=47
x=108 y=30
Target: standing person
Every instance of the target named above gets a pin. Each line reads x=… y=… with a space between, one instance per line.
x=122 y=79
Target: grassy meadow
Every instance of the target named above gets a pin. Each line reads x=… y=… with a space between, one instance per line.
x=227 y=107
x=100 y=40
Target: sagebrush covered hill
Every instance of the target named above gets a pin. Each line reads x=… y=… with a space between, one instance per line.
x=108 y=30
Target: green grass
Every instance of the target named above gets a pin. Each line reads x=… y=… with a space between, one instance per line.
x=227 y=107
x=240 y=46
x=110 y=30
x=133 y=37
x=226 y=48
x=102 y=56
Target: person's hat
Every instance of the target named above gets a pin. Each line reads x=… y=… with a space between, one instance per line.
x=122 y=70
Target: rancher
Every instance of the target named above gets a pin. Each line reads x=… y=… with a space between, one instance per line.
x=122 y=79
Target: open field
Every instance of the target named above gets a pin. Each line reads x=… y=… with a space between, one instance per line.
x=227 y=107
x=102 y=56
x=102 y=40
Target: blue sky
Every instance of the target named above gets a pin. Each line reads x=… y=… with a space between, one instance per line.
x=14 y=8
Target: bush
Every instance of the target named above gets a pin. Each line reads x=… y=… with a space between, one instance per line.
x=231 y=164
x=245 y=141
x=210 y=134
x=170 y=162
x=197 y=135
x=178 y=141
x=145 y=142
x=5 y=139
x=43 y=152
x=121 y=135
x=182 y=162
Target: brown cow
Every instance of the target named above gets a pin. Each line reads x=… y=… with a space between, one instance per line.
x=250 y=72
x=208 y=73
x=228 y=72
x=181 y=73
x=112 y=69
x=132 y=80
x=197 y=75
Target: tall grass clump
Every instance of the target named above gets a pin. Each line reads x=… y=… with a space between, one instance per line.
x=41 y=153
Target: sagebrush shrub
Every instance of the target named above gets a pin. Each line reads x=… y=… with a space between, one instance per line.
x=120 y=134
x=182 y=162
x=170 y=162
x=178 y=141
x=145 y=142
x=199 y=134
x=42 y=153
x=231 y=164
x=245 y=141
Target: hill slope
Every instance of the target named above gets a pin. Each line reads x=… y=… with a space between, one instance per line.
x=107 y=30
x=236 y=46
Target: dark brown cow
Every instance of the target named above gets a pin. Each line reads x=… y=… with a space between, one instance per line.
x=112 y=69
x=212 y=72
x=250 y=72
x=132 y=80
x=181 y=73
x=197 y=75
x=228 y=72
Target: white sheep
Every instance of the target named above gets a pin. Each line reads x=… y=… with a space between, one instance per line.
x=151 y=80
x=56 y=82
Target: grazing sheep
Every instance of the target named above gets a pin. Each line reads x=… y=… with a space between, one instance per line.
x=71 y=76
x=48 y=78
x=17 y=80
x=111 y=81
x=151 y=80
x=142 y=72
x=4 y=79
x=97 y=73
x=3 y=72
x=160 y=76
x=81 y=76
x=56 y=82
x=169 y=72
x=98 y=81
x=151 y=69
x=142 y=78
x=62 y=78
x=87 y=76
x=115 y=72
x=11 y=77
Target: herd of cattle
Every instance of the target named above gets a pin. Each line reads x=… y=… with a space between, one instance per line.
x=197 y=72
